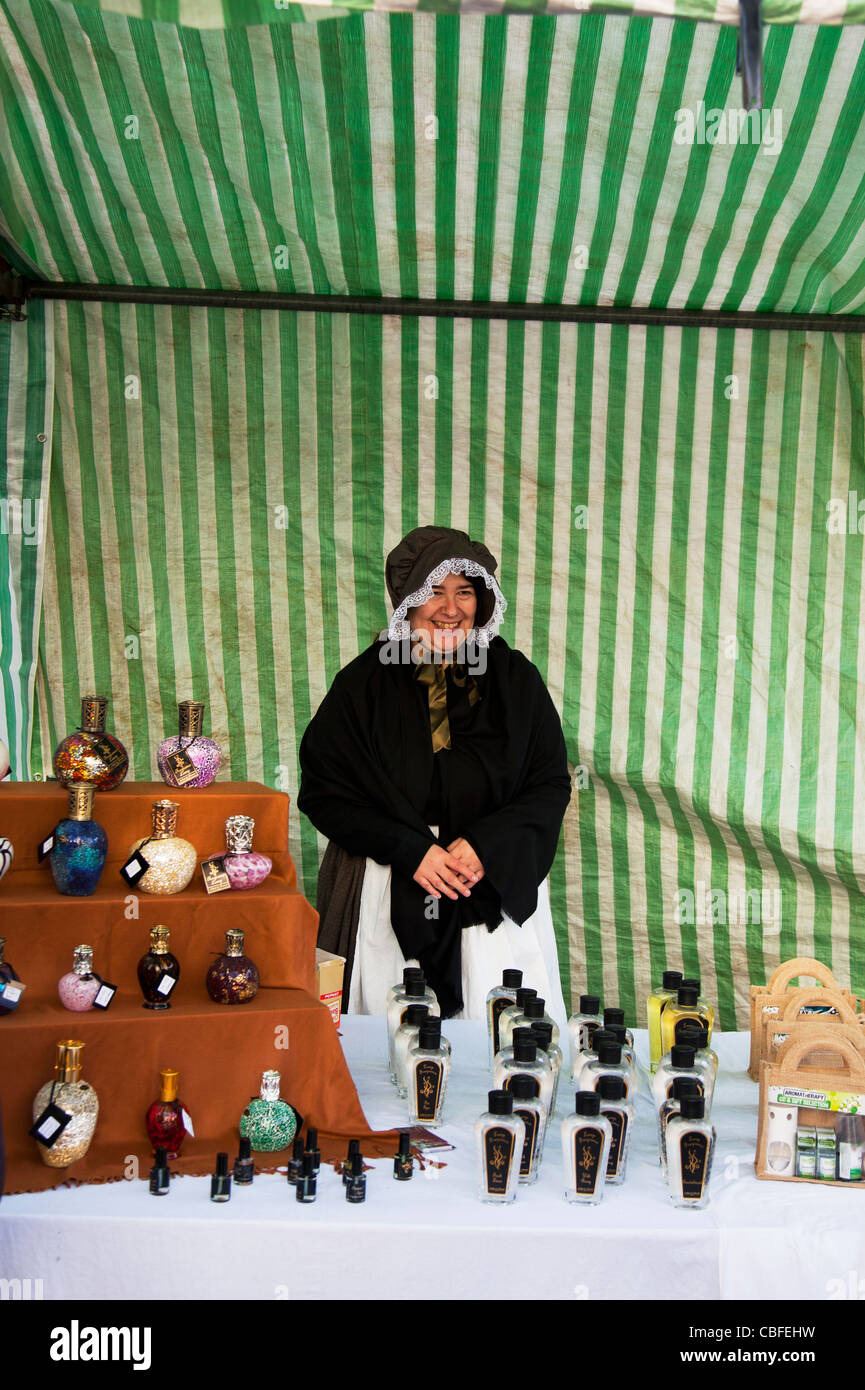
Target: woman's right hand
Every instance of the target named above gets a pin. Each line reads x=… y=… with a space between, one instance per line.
x=440 y=872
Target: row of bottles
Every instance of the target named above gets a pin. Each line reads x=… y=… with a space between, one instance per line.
x=676 y=1011
x=66 y=1109
x=90 y=756
x=231 y=978
x=161 y=863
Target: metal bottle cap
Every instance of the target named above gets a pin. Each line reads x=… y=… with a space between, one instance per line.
x=191 y=716
x=164 y=815
x=159 y=938
x=82 y=960
x=234 y=942
x=67 y=1067
x=168 y=1080
x=81 y=796
x=238 y=834
x=93 y=711
x=270 y=1085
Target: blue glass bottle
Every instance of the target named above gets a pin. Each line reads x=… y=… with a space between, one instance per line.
x=80 y=845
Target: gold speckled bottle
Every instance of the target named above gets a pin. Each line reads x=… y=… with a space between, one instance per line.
x=172 y=860
x=77 y=1098
x=89 y=754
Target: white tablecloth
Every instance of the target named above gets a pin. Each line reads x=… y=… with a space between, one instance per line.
x=432 y=1235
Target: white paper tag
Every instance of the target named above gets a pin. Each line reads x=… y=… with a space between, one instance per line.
x=12 y=993
x=166 y=984
x=49 y=1127
x=187 y=1123
x=104 y=996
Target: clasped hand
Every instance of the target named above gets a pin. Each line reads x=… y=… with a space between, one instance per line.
x=453 y=870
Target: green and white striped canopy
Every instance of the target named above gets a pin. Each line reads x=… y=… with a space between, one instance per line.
x=198 y=501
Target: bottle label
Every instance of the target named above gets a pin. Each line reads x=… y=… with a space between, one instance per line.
x=50 y=1125
x=166 y=984
x=850 y=1162
x=694 y=1150
x=687 y=1028
x=135 y=868
x=531 y=1120
x=428 y=1084
x=181 y=767
x=216 y=880
x=45 y=848
x=499 y=1005
x=700 y=1088
x=10 y=995
x=498 y=1158
x=187 y=1122
x=619 y=1124
x=534 y=1080
x=588 y=1147
x=112 y=755
x=104 y=994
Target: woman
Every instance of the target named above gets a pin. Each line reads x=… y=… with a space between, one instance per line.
x=436 y=767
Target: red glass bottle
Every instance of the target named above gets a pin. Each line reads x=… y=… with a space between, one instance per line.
x=166 y=1128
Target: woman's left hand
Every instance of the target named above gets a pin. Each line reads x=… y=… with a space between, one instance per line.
x=462 y=850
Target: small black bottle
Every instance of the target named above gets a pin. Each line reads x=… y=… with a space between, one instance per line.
x=403 y=1163
x=348 y=1166
x=244 y=1168
x=355 y=1190
x=305 y=1189
x=220 y=1183
x=295 y=1163
x=312 y=1148
x=160 y=1178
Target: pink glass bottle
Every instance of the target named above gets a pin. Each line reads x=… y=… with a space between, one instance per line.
x=164 y=1122
x=246 y=868
x=89 y=754
x=80 y=987
x=189 y=759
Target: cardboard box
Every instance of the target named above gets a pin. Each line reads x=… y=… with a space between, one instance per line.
x=328 y=970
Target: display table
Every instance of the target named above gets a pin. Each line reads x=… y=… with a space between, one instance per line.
x=755 y=1239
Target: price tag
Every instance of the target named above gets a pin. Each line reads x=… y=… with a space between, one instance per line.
x=10 y=995
x=134 y=869
x=50 y=1125
x=187 y=1123
x=182 y=767
x=216 y=880
x=166 y=984
x=105 y=993
x=45 y=847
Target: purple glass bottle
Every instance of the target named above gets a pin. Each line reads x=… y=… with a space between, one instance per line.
x=80 y=987
x=246 y=868
x=232 y=978
x=189 y=759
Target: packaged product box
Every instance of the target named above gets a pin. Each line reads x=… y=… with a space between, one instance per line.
x=328 y=972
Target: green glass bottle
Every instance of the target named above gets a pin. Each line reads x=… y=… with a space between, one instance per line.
x=269 y=1123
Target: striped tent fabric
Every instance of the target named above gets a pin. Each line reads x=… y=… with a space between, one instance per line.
x=676 y=510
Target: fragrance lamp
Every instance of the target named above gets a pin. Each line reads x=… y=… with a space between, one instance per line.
x=89 y=754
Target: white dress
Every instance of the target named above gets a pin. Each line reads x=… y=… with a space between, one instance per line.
x=379 y=962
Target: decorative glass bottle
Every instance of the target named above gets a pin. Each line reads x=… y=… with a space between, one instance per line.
x=172 y=860
x=499 y=1138
x=232 y=978
x=7 y=972
x=4 y=759
x=77 y=1098
x=89 y=754
x=158 y=970
x=200 y=757
x=80 y=845
x=268 y=1122
x=80 y=987
x=7 y=854
x=246 y=868
x=165 y=1123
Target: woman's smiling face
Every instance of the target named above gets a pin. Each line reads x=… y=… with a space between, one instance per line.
x=447 y=618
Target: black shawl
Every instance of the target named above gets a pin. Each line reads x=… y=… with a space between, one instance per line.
x=366 y=770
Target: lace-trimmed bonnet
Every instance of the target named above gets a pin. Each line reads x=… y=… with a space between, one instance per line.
x=423 y=558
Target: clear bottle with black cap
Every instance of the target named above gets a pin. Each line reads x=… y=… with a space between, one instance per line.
x=619 y=1110
x=590 y=1054
x=655 y=1005
x=583 y=1025
x=525 y=1059
x=683 y=1086
x=609 y=1062
x=679 y=1061
x=690 y=1145
x=499 y=1139
x=414 y=990
x=533 y=1115
x=429 y=1069
x=405 y=1039
x=615 y=1018
x=510 y=1016
x=619 y=1034
x=534 y=1011
x=500 y=998
x=683 y=1017
x=586 y=1139
x=543 y=1034
x=706 y=1057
